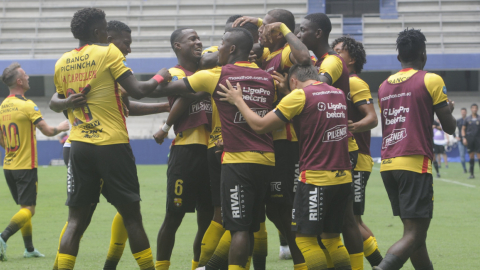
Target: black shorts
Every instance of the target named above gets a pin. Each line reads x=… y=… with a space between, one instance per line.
x=243 y=190
x=360 y=180
x=410 y=193
x=23 y=185
x=285 y=176
x=215 y=169
x=188 y=182
x=353 y=159
x=438 y=149
x=320 y=209
x=106 y=169
x=66 y=155
x=473 y=145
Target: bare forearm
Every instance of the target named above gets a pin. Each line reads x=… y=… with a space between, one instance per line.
x=366 y=124
x=253 y=119
x=208 y=60
x=178 y=109
x=170 y=89
x=49 y=131
x=139 y=108
x=299 y=50
x=58 y=105
x=463 y=131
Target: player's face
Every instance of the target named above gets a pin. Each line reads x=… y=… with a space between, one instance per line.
x=22 y=79
x=224 y=50
x=267 y=20
x=101 y=32
x=343 y=53
x=122 y=41
x=191 y=44
x=463 y=113
x=474 y=109
x=308 y=34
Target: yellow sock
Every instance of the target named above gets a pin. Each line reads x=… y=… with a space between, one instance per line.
x=260 y=245
x=300 y=266
x=55 y=264
x=249 y=261
x=235 y=267
x=16 y=223
x=162 y=265
x=369 y=246
x=210 y=240
x=371 y=252
x=357 y=261
x=376 y=244
x=194 y=265
x=314 y=257
x=329 y=259
x=118 y=239
x=144 y=259
x=27 y=235
x=65 y=261
x=221 y=252
x=337 y=251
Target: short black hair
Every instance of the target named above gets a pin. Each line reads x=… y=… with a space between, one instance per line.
x=284 y=16
x=250 y=27
x=322 y=21
x=175 y=35
x=10 y=74
x=355 y=50
x=410 y=44
x=303 y=72
x=463 y=109
x=118 y=26
x=242 y=39
x=233 y=18
x=474 y=104
x=84 y=21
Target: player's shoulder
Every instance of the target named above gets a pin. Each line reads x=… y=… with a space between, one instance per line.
x=433 y=78
x=210 y=49
x=177 y=73
x=357 y=82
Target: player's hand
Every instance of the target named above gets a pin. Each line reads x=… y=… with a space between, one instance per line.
x=76 y=101
x=243 y=20
x=282 y=83
x=165 y=74
x=219 y=145
x=351 y=126
x=126 y=111
x=160 y=136
x=63 y=126
x=465 y=142
x=231 y=95
x=451 y=105
x=252 y=57
x=270 y=30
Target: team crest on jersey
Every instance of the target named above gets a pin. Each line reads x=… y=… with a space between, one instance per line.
x=174 y=78
x=35 y=108
x=177 y=202
x=444 y=89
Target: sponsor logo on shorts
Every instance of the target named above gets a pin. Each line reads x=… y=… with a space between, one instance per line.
x=314 y=201
x=177 y=202
x=336 y=133
x=396 y=136
x=297 y=175
x=70 y=182
x=276 y=186
x=357 y=184
x=236 y=201
x=293 y=215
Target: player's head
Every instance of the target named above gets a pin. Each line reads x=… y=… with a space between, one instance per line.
x=297 y=29
x=474 y=108
x=230 y=21
x=250 y=27
x=277 y=15
x=89 y=24
x=236 y=43
x=186 y=43
x=314 y=30
x=299 y=74
x=120 y=35
x=15 y=77
x=351 y=51
x=411 y=47
x=463 y=112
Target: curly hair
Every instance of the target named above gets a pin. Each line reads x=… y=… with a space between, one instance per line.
x=84 y=21
x=355 y=50
x=118 y=26
x=410 y=44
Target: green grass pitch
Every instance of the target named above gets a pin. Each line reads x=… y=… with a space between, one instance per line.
x=453 y=239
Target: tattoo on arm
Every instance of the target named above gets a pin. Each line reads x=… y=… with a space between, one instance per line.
x=55 y=131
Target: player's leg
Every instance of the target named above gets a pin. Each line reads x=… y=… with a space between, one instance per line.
x=118 y=238
x=436 y=158
x=215 y=230
x=219 y=259
x=471 y=155
x=461 y=151
x=284 y=253
x=260 y=245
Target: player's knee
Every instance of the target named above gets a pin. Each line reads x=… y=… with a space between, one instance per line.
x=31 y=208
x=173 y=220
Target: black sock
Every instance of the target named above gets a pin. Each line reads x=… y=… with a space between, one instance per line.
x=375 y=258
x=11 y=229
x=259 y=262
x=110 y=265
x=283 y=240
x=472 y=164
x=391 y=262
x=216 y=263
x=435 y=165
x=430 y=267
x=27 y=240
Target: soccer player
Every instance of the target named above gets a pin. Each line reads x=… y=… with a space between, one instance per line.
x=101 y=160
x=407 y=147
x=333 y=70
x=319 y=113
x=354 y=56
x=188 y=182
x=461 y=147
x=471 y=137
x=438 y=147
x=19 y=118
x=248 y=158
x=286 y=49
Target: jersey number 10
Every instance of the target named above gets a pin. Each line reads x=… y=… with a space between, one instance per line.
x=12 y=138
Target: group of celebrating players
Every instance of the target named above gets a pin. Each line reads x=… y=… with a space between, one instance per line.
x=262 y=130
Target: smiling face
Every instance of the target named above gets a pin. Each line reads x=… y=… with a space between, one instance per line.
x=121 y=40
x=189 y=45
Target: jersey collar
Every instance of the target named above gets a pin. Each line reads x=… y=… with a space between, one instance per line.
x=18 y=96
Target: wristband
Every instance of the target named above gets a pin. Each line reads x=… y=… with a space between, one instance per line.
x=284 y=29
x=166 y=128
x=158 y=78
x=259 y=22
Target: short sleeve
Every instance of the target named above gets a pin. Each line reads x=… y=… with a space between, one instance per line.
x=333 y=66
x=291 y=105
x=204 y=80
x=265 y=54
x=210 y=50
x=116 y=62
x=437 y=89
x=58 y=82
x=360 y=92
x=286 y=62
x=176 y=73
x=33 y=112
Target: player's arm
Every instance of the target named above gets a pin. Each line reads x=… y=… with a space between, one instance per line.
x=2 y=143
x=139 y=108
x=444 y=114
x=441 y=105
x=59 y=103
x=140 y=89
x=259 y=124
x=208 y=60
x=330 y=70
x=50 y=131
x=299 y=52
x=362 y=99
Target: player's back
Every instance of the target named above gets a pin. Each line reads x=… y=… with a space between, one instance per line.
x=101 y=120
x=18 y=117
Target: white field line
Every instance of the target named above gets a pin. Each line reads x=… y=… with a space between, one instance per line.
x=445 y=180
